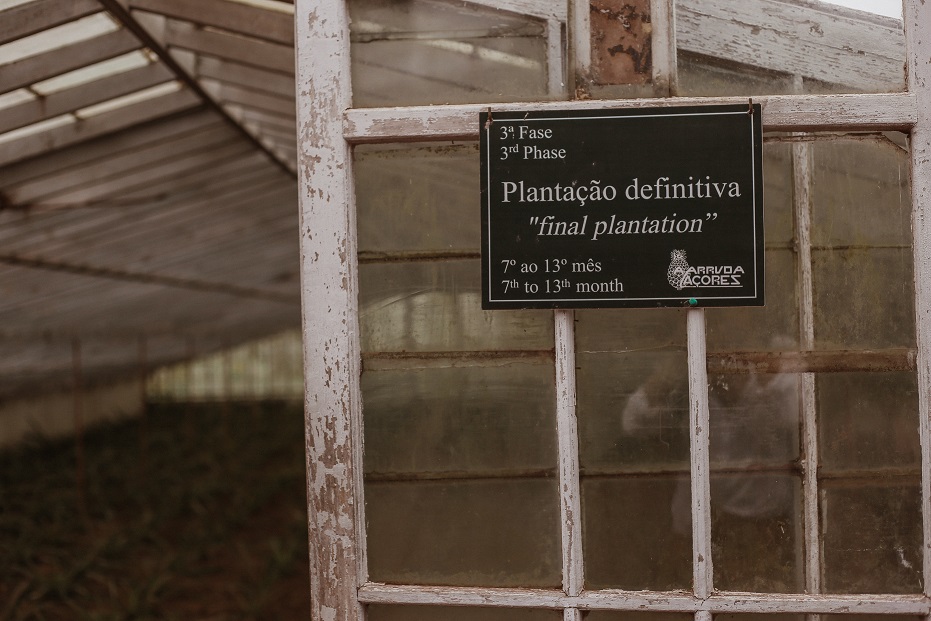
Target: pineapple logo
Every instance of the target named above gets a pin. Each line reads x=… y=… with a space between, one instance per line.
x=678 y=269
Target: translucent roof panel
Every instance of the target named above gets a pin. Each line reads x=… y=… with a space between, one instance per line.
x=127 y=100
x=13 y=98
x=9 y=4
x=36 y=128
x=60 y=36
x=272 y=5
x=113 y=66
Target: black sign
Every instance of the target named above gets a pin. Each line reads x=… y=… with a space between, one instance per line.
x=622 y=208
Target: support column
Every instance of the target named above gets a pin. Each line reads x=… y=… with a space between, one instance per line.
x=329 y=301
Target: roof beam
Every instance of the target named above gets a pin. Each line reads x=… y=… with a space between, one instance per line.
x=124 y=143
x=868 y=112
x=32 y=69
x=248 y=77
x=88 y=94
x=247 y=50
x=277 y=27
x=228 y=93
x=119 y=164
x=148 y=279
x=79 y=131
x=32 y=17
x=122 y=15
x=143 y=177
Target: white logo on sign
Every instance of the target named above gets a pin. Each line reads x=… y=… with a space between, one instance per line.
x=678 y=269
x=681 y=275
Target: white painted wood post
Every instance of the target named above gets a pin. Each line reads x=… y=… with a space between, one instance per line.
x=917 y=19
x=699 y=442
x=581 y=54
x=332 y=399
x=801 y=175
x=567 y=429
x=665 y=61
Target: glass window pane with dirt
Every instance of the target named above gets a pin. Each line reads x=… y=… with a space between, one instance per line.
x=458 y=403
x=415 y=52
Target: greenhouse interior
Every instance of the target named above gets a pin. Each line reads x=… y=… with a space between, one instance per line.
x=255 y=362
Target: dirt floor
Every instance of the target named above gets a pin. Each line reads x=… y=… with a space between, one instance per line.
x=195 y=512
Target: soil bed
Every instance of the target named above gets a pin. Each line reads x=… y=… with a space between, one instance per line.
x=196 y=511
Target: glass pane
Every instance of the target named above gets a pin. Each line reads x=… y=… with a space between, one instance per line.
x=864 y=298
x=428 y=52
x=774 y=326
x=457 y=613
x=755 y=486
x=765 y=47
x=861 y=237
x=871 y=536
x=437 y=306
x=633 y=412
x=869 y=421
x=477 y=420
x=861 y=191
x=637 y=532
x=419 y=199
x=494 y=532
x=460 y=471
x=870 y=470
x=632 y=385
x=778 y=191
x=630 y=330
x=754 y=420
x=756 y=532
x=708 y=76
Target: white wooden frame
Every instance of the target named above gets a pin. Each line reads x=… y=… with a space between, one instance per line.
x=328 y=126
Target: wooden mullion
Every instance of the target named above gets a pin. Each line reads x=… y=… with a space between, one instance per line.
x=866 y=112
x=802 y=188
x=917 y=20
x=646 y=601
x=568 y=443
x=699 y=434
